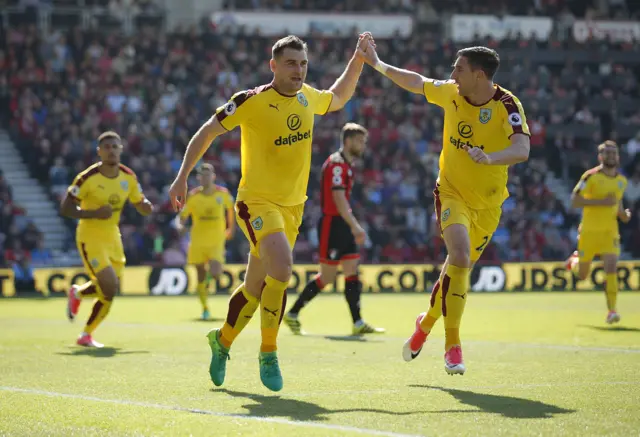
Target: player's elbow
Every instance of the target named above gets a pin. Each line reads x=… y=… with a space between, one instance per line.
x=575 y=201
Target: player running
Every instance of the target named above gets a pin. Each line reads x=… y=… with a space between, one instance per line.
x=339 y=232
x=276 y=122
x=599 y=193
x=96 y=198
x=207 y=205
x=485 y=131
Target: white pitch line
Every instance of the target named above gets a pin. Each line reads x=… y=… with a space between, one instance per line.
x=317 y=425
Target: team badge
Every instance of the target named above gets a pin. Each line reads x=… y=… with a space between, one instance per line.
x=95 y=263
x=445 y=214
x=302 y=100
x=219 y=200
x=74 y=190
x=333 y=254
x=620 y=184
x=257 y=223
x=485 y=115
x=124 y=185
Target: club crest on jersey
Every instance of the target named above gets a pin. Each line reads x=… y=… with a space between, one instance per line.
x=95 y=263
x=257 y=223
x=485 y=115
x=445 y=214
x=124 y=185
x=302 y=99
x=620 y=184
x=219 y=200
x=333 y=254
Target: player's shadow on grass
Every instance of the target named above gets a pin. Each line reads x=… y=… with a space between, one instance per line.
x=347 y=338
x=611 y=328
x=209 y=320
x=104 y=352
x=295 y=409
x=507 y=406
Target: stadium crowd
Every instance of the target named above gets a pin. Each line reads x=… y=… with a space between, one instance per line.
x=156 y=89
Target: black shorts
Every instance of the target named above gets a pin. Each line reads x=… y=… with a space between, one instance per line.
x=336 y=240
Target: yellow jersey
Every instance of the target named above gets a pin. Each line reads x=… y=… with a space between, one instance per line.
x=207 y=213
x=488 y=126
x=594 y=184
x=93 y=190
x=276 y=136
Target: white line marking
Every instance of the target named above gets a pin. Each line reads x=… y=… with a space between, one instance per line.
x=344 y=428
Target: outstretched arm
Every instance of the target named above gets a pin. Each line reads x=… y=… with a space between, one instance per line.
x=345 y=85
x=406 y=79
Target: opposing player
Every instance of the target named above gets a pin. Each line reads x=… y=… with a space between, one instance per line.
x=339 y=232
x=276 y=122
x=207 y=205
x=485 y=131
x=96 y=198
x=599 y=193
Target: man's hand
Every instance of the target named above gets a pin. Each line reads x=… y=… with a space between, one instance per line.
x=145 y=207
x=359 y=234
x=228 y=234
x=103 y=213
x=478 y=155
x=626 y=217
x=178 y=192
x=366 y=49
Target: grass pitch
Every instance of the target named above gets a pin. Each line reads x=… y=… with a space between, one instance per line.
x=537 y=364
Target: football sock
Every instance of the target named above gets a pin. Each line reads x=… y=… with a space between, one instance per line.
x=203 y=293
x=611 y=289
x=352 y=292
x=100 y=310
x=272 y=304
x=435 y=309
x=88 y=289
x=455 y=285
x=310 y=291
x=242 y=306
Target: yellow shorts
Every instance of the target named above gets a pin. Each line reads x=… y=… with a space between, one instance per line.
x=98 y=254
x=204 y=253
x=258 y=218
x=595 y=243
x=481 y=223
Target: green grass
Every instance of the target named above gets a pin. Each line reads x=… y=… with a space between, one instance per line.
x=537 y=364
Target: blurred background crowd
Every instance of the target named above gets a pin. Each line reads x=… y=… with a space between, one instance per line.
x=61 y=87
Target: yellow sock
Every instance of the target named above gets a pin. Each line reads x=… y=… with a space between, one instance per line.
x=455 y=285
x=272 y=303
x=203 y=293
x=100 y=310
x=435 y=309
x=242 y=306
x=611 y=289
x=88 y=289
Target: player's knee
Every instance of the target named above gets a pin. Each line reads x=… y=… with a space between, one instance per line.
x=459 y=256
x=109 y=289
x=281 y=268
x=326 y=278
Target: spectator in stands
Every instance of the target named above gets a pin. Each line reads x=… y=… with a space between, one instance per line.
x=23 y=276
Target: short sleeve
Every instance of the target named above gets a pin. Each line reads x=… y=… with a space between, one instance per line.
x=319 y=100
x=233 y=113
x=515 y=121
x=229 y=201
x=187 y=210
x=135 y=191
x=338 y=175
x=583 y=184
x=79 y=188
x=439 y=92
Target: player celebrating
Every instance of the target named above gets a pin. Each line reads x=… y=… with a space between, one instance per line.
x=339 y=232
x=96 y=198
x=276 y=122
x=599 y=193
x=206 y=205
x=485 y=131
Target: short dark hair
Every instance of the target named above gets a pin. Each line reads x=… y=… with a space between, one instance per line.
x=606 y=144
x=206 y=166
x=109 y=135
x=482 y=58
x=288 y=42
x=351 y=130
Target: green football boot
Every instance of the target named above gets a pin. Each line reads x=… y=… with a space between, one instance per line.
x=270 y=371
x=219 y=357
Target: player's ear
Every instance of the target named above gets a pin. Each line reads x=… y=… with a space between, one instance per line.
x=272 y=65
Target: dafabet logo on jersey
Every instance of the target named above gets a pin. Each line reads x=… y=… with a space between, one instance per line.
x=293 y=123
x=465 y=132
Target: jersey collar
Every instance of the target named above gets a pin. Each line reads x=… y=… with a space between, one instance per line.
x=498 y=90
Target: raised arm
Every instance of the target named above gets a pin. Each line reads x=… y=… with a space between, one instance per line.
x=406 y=79
x=345 y=85
x=198 y=145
